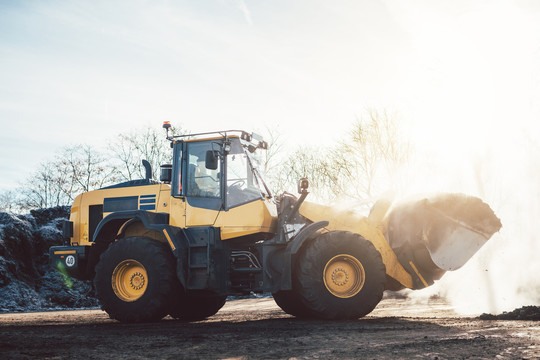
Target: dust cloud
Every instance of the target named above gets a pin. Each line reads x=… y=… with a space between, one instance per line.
x=503 y=275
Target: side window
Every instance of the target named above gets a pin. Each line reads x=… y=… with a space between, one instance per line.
x=176 y=181
x=200 y=181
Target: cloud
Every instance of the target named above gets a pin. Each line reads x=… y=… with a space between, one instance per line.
x=241 y=5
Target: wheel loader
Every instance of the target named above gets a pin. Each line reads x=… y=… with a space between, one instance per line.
x=210 y=228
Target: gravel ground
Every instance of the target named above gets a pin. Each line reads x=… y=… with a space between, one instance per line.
x=257 y=328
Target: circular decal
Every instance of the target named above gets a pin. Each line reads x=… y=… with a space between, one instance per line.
x=70 y=260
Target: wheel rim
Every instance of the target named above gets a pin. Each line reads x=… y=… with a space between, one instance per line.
x=129 y=280
x=344 y=276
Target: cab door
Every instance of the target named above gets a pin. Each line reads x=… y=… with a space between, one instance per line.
x=202 y=187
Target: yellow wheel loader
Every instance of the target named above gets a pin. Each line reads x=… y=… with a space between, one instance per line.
x=211 y=228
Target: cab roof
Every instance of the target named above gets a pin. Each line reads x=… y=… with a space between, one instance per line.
x=223 y=134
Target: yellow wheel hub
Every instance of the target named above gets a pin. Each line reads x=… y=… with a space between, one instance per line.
x=344 y=276
x=129 y=280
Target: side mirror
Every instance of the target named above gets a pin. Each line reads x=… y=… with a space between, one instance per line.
x=303 y=185
x=166 y=173
x=212 y=159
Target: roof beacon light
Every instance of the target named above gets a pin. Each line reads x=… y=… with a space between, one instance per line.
x=167 y=126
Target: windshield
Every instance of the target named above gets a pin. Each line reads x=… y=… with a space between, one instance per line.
x=255 y=160
x=244 y=183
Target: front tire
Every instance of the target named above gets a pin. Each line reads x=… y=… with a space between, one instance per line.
x=134 y=280
x=290 y=302
x=340 y=275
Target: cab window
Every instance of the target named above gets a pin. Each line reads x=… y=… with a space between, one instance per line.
x=200 y=181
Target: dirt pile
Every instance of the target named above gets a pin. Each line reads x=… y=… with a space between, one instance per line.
x=27 y=282
x=531 y=313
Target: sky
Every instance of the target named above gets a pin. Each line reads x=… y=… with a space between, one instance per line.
x=463 y=77
x=84 y=71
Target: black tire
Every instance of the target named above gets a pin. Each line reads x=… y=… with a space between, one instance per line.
x=153 y=289
x=289 y=301
x=195 y=308
x=356 y=290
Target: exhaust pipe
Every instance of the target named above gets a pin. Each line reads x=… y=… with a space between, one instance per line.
x=439 y=233
x=147 y=169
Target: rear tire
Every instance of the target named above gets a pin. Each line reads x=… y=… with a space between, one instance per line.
x=340 y=275
x=195 y=308
x=134 y=280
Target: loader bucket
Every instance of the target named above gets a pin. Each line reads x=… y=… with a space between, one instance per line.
x=439 y=233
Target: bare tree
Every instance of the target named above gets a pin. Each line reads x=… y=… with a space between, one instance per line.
x=10 y=201
x=81 y=168
x=358 y=168
x=373 y=156
x=272 y=160
x=148 y=144
x=44 y=188
x=74 y=170
x=87 y=168
x=272 y=156
x=361 y=167
x=306 y=162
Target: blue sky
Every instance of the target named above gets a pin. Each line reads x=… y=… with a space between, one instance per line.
x=84 y=71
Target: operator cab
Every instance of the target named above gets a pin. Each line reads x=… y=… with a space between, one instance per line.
x=220 y=174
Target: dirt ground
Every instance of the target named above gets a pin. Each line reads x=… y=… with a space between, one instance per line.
x=257 y=328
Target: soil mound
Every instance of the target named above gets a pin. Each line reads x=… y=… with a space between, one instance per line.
x=27 y=282
x=531 y=313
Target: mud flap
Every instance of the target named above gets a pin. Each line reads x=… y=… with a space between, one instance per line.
x=292 y=249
